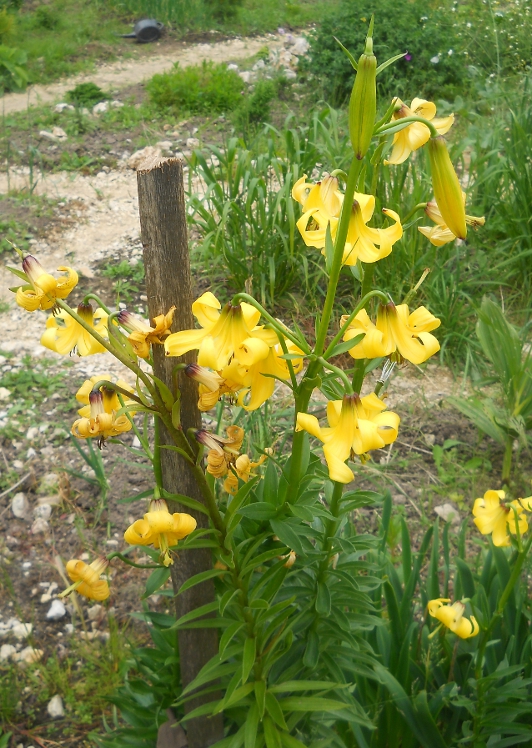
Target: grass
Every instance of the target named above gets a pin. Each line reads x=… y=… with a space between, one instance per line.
x=127 y=278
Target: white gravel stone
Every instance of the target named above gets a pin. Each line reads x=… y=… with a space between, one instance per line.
x=193 y=143
x=42 y=511
x=28 y=655
x=55 y=707
x=21 y=630
x=7 y=651
x=247 y=76
x=101 y=107
x=30 y=453
x=166 y=145
x=62 y=107
x=232 y=66
x=94 y=612
x=448 y=513
x=20 y=506
x=32 y=433
x=40 y=525
x=289 y=74
x=300 y=46
x=57 y=611
x=4 y=393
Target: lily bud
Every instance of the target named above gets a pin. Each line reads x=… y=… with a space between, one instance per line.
x=363 y=102
x=447 y=189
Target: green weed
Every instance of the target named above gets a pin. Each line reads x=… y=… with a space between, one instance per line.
x=208 y=88
x=128 y=279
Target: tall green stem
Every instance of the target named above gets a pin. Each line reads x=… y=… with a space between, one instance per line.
x=339 y=244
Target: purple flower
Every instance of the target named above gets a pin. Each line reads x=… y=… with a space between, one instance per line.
x=408 y=57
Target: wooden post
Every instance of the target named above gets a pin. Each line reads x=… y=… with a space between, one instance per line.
x=168 y=283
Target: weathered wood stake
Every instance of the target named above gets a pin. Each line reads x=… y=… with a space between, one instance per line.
x=166 y=259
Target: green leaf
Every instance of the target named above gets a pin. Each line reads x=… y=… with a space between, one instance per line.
x=156 y=580
x=260 y=696
x=261 y=510
x=323 y=599
x=312 y=650
x=329 y=247
x=271 y=734
x=196 y=613
x=186 y=501
x=229 y=634
x=287 y=535
x=165 y=393
x=348 y=53
x=274 y=710
x=199 y=578
x=466 y=578
x=304 y=685
x=346 y=345
x=384 y=65
x=251 y=726
x=312 y=704
x=20 y=274
x=289 y=741
x=248 y=657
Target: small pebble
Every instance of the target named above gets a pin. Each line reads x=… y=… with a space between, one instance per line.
x=57 y=611
x=7 y=651
x=55 y=707
x=20 y=506
x=40 y=525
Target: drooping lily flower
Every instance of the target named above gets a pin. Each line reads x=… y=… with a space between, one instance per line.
x=323 y=196
x=160 y=529
x=453 y=617
x=396 y=330
x=221 y=334
x=242 y=470
x=142 y=335
x=65 y=335
x=259 y=363
x=441 y=234
x=365 y=243
x=417 y=134
x=356 y=426
x=110 y=399
x=86 y=578
x=99 y=424
x=43 y=289
x=496 y=518
x=213 y=385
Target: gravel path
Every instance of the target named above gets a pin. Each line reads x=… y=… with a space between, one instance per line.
x=126 y=73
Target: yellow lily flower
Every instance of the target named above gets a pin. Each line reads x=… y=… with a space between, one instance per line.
x=493 y=516
x=109 y=396
x=86 y=578
x=142 y=335
x=256 y=360
x=65 y=335
x=417 y=134
x=362 y=240
x=43 y=289
x=242 y=469
x=396 y=330
x=213 y=385
x=221 y=334
x=100 y=424
x=356 y=426
x=441 y=234
x=160 y=529
x=452 y=616
x=323 y=196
